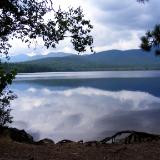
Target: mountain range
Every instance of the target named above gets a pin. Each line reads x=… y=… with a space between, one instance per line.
x=25 y=57
x=107 y=60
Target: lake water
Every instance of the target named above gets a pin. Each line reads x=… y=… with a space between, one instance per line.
x=86 y=105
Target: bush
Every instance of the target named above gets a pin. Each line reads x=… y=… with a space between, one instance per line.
x=5 y=99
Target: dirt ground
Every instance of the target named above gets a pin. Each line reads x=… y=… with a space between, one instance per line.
x=10 y=150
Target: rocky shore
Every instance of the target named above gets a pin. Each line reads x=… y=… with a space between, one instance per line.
x=18 y=145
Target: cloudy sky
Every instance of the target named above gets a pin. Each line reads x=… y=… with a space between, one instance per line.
x=117 y=24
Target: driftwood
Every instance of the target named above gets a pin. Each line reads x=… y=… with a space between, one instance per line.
x=113 y=138
x=139 y=137
x=133 y=137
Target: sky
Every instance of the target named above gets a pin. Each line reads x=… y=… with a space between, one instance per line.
x=117 y=25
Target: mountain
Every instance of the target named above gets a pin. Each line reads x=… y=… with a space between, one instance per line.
x=106 y=60
x=24 y=57
x=128 y=57
x=49 y=55
x=19 y=58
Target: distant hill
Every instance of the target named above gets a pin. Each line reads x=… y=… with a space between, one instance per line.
x=106 y=60
x=128 y=57
x=24 y=57
x=19 y=58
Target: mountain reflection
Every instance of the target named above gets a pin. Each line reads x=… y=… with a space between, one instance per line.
x=84 y=112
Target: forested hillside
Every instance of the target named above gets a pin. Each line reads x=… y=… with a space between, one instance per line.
x=107 y=60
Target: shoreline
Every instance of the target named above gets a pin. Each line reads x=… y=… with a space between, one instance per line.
x=121 y=137
x=69 y=150
x=88 y=75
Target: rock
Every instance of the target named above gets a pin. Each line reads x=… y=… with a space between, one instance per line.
x=16 y=135
x=65 y=141
x=45 y=141
x=80 y=142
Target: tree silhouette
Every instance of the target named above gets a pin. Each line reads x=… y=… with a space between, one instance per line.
x=25 y=20
x=6 y=96
x=151 y=40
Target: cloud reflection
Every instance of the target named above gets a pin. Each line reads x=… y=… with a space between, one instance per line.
x=84 y=113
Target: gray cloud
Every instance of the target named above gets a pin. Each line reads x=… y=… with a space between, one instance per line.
x=121 y=24
x=128 y=14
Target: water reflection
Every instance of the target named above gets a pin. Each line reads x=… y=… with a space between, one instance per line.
x=149 y=85
x=84 y=112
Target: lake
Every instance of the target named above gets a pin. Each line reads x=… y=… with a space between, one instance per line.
x=86 y=105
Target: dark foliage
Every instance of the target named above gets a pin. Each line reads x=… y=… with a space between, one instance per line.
x=152 y=40
x=24 y=19
x=5 y=96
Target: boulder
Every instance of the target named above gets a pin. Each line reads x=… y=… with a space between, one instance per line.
x=80 y=142
x=65 y=141
x=16 y=135
x=45 y=141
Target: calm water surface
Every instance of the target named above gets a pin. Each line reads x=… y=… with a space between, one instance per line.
x=86 y=105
